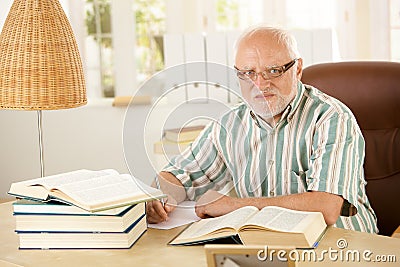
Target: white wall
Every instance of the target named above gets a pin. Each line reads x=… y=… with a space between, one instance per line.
x=5 y=6
x=87 y=137
x=190 y=16
x=124 y=48
x=363 y=29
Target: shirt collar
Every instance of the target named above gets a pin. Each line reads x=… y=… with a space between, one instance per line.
x=289 y=111
x=296 y=101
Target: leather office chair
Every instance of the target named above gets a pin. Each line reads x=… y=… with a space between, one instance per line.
x=371 y=89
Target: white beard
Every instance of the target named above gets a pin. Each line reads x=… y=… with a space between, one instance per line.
x=264 y=108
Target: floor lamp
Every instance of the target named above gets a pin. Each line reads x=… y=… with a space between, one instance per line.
x=40 y=64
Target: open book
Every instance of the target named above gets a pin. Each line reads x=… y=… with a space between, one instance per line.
x=89 y=190
x=272 y=226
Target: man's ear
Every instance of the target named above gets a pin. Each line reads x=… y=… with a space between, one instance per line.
x=299 y=70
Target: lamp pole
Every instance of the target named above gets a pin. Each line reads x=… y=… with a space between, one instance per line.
x=39 y=113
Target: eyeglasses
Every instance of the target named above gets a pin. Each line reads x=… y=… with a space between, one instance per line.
x=268 y=74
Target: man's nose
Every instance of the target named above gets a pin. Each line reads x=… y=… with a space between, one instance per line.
x=261 y=81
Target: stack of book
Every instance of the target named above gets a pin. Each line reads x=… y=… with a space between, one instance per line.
x=176 y=140
x=81 y=209
x=56 y=225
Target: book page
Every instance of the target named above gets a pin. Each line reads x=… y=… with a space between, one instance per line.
x=279 y=219
x=233 y=220
x=54 y=181
x=183 y=214
x=39 y=188
x=107 y=189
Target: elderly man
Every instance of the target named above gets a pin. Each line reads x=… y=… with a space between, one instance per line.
x=289 y=145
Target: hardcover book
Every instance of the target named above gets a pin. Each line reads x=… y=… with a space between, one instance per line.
x=272 y=226
x=184 y=134
x=89 y=190
x=83 y=240
x=79 y=222
x=30 y=206
x=166 y=147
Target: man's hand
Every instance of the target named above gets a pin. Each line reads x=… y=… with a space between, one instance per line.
x=214 y=204
x=156 y=212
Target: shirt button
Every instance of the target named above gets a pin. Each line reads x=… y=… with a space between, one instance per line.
x=271 y=193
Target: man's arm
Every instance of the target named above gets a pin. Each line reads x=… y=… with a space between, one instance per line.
x=213 y=204
x=171 y=186
x=203 y=160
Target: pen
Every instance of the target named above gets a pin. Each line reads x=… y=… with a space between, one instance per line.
x=159 y=187
x=319 y=238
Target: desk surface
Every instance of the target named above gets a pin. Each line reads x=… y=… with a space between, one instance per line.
x=151 y=249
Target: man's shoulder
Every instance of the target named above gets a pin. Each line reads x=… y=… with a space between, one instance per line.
x=236 y=116
x=238 y=111
x=325 y=102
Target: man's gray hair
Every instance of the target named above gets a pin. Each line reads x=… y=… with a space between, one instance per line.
x=280 y=35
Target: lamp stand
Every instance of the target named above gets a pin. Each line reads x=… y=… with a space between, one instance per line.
x=40 y=63
x=39 y=113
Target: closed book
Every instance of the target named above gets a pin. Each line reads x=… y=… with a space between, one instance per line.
x=166 y=147
x=56 y=207
x=184 y=134
x=123 y=101
x=83 y=240
x=79 y=222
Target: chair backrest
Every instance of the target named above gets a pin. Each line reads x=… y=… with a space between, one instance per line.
x=371 y=89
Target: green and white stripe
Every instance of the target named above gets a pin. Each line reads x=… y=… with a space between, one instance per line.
x=316 y=146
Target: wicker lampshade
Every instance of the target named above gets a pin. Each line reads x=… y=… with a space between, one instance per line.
x=40 y=65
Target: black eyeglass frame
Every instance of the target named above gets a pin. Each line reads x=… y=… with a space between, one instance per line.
x=267 y=74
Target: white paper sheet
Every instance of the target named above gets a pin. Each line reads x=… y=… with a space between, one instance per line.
x=183 y=214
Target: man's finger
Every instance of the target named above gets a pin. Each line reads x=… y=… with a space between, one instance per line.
x=152 y=214
x=160 y=210
x=170 y=204
x=169 y=208
x=201 y=212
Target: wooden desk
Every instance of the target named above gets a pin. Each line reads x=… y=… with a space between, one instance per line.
x=151 y=249
x=396 y=233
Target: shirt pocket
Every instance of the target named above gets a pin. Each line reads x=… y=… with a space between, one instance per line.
x=298 y=182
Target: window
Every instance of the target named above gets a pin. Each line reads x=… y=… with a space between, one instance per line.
x=99 y=46
x=146 y=48
x=149 y=28
x=310 y=14
x=227 y=15
x=238 y=14
x=395 y=29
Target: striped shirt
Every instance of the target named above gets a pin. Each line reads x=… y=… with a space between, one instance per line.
x=316 y=146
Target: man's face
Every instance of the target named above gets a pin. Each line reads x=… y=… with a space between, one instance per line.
x=267 y=97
